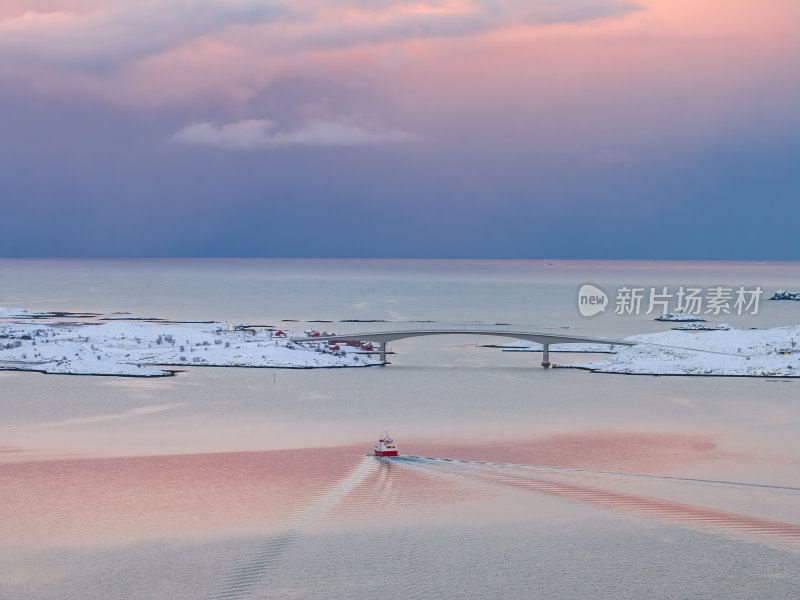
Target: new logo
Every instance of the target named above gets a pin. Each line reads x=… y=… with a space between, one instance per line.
x=591 y=300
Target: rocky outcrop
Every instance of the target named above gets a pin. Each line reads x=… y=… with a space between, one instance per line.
x=784 y=295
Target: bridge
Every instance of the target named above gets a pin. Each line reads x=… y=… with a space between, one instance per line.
x=545 y=339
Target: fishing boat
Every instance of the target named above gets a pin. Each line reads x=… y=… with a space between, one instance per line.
x=385 y=446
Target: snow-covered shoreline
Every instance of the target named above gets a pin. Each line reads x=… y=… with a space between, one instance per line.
x=129 y=347
x=733 y=353
x=680 y=317
x=785 y=295
x=133 y=348
x=703 y=327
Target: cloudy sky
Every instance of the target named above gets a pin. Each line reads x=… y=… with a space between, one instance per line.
x=395 y=128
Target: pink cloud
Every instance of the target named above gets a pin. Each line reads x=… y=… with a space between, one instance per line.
x=116 y=33
x=604 y=75
x=86 y=36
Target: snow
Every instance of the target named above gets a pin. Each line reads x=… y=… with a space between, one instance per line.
x=784 y=295
x=130 y=348
x=702 y=327
x=735 y=352
x=679 y=316
x=143 y=349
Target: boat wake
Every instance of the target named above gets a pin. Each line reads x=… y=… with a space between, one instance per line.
x=594 y=472
x=535 y=478
x=262 y=557
x=391 y=490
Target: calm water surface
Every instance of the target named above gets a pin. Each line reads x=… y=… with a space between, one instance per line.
x=252 y=483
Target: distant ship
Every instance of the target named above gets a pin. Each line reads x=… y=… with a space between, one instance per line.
x=385 y=446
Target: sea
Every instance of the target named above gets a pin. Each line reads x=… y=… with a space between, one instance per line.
x=514 y=480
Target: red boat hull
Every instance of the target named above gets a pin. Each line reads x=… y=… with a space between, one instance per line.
x=385 y=452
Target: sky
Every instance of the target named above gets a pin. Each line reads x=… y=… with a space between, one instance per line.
x=653 y=129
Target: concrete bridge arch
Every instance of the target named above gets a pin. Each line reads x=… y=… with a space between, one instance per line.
x=382 y=337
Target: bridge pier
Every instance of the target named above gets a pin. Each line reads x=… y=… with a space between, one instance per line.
x=381 y=338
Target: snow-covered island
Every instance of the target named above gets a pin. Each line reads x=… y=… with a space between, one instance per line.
x=138 y=348
x=679 y=317
x=735 y=352
x=784 y=295
x=129 y=346
x=702 y=327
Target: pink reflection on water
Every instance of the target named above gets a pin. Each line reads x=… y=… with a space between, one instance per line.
x=112 y=498
x=650 y=452
x=686 y=514
x=393 y=488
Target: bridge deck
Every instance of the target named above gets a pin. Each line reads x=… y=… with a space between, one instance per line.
x=533 y=336
x=382 y=337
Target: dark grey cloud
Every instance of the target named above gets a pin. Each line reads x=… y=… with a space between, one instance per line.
x=92 y=182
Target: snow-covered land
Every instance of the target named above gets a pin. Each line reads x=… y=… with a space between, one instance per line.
x=784 y=295
x=702 y=327
x=679 y=317
x=138 y=348
x=736 y=352
x=129 y=348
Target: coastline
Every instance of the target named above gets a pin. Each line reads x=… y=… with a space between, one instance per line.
x=132 y=347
